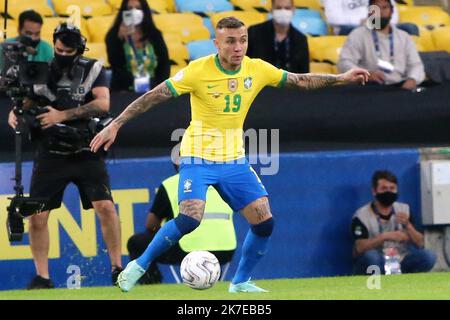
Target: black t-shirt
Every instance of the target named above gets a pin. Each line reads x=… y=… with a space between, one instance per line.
x=360 y=231
x=161 y=205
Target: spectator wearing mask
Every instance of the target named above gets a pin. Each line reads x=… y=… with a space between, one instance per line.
x=384 y=227
x=136 y=49
x=276 y=41
x=387 y=52
x=30 y=25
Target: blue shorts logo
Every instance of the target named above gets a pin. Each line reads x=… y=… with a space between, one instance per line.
x=187 y=185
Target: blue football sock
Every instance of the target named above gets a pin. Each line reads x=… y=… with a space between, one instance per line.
x=166 y=237
x=253 y=249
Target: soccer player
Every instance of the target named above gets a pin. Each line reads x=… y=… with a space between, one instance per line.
x=222 y=88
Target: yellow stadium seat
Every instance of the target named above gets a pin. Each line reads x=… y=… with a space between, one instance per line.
x=425 y=39
x=425 y=16
x=50 y=25
x=325 y=48
x=97 y=50
x=99 y=26
x=159 y=6
x=258 y=5
x=115 y=4
x=15 y=8
x=248 y=17
x=88 y=8
x=177 y=50
x=188 y=25
x=420 y=47
x=441 y=38
x=322 y=67
x=311 y=4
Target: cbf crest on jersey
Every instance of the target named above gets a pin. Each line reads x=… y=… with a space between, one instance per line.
x=248 y=82
x=232 y=84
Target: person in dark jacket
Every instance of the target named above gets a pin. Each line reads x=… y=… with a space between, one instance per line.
x=276 y=41
x=136 y=49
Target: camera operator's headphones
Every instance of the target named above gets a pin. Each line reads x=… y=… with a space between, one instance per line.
x=70 y=28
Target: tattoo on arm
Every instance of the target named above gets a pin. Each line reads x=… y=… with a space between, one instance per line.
x=159 y=94
x=85 y=111
x=309 y=81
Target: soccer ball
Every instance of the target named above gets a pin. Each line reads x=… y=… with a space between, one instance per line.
x=200 y=270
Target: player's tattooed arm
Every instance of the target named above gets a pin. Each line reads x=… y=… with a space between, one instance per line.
x=309 y=81
x=107 y=136
x=148 y=100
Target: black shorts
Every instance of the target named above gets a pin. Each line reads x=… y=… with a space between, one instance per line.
x=51 y=175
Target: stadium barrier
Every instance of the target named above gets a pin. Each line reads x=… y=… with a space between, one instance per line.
x=313 y=197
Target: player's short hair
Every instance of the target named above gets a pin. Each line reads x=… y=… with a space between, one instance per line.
x=372 y=2
x=383 y=174
x=229 y=23
x=29 y=15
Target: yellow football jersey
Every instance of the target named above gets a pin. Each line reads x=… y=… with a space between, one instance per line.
x=220 y=100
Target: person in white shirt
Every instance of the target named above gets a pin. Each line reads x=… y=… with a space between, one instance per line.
x=387 y=52
x=346 y=15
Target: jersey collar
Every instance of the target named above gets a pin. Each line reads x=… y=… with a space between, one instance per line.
x=219 y=66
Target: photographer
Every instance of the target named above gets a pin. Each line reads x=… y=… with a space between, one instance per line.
x=77 y=90
x=30 y=25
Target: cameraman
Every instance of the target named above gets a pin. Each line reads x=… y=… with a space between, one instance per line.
x=77 y=90
x=29 y=30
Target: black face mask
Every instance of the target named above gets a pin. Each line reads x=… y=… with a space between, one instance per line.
x=386 y=198
x=384 y=21
x=34 y=43
x=64 y=61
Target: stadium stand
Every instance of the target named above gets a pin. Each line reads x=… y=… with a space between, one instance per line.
x=97 y=50
x=203 y=6
x=15 y=7
x=425 y=16
x=88 y=8
x=201 y=48
x=311 y=25
x=326 y=48
x=322 y=67
x=441 y=38
x=99 y=26
x=189 y=26
x=309 y=4
x=253 y=5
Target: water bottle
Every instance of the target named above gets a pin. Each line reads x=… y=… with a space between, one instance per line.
x=391 y=258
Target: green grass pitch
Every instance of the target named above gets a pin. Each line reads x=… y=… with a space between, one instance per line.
x=405 y=287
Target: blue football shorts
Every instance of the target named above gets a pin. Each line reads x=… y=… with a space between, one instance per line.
x=235 y=181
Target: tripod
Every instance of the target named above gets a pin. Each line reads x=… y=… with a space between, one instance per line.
x=20 y=206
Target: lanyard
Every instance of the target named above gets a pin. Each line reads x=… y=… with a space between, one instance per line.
x=133 y=47
x=377 y=213
x=376 y=42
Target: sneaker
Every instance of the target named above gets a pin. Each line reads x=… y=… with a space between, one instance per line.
x=115 y=274
x=40 y=283
x=127 y=278
x=247 y=286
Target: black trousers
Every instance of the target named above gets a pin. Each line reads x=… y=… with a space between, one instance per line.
x=139 y=242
